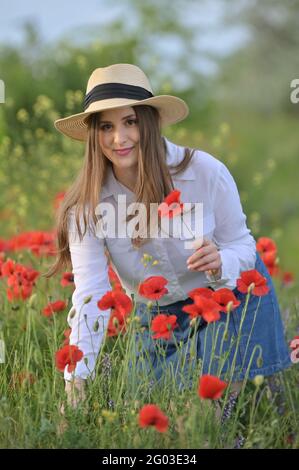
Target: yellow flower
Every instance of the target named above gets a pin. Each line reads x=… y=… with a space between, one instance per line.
x=258 y=380
x=224 y=128
x=22 y=115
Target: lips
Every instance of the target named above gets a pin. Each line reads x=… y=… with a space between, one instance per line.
x=124 y=152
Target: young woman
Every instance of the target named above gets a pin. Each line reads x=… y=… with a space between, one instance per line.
x=127 y=160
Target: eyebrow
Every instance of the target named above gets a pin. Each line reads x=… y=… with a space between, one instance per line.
x=125 y=117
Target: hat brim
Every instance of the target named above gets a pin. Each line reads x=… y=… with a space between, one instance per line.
x=171 y=109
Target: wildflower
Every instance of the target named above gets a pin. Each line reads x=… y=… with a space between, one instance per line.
x=288 y=278
x=204 y=291
x=258 y=380
x=116 y=300
x=253 y=276
x=153 y=287
x=114 y=279
x=226 y=299
x=265 y=244
x=69 y=355
x=151 y=415
x=163 y=325
x=204 y=307
x=211 y=387
x=67 y=279
x=52 y=307
x=171 y=205
x=268 y=251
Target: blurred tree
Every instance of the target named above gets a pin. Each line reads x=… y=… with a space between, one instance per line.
x=259 y=73
x=52 y=77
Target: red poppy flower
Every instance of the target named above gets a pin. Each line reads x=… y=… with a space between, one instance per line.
x=223 y=297
x=204 y=291
x=67 y=279
x=271 y=263
x=68 y=355
x=116 y=300
x=153 y=287
x=171 y=205
x=204 y=307
x=57 y=306
x=151 y=415
x=288 y=278
x=7 y=268
x=211 y=387
x=265 y=244
x=163 y=325
x=114 y=279
x=253 y=276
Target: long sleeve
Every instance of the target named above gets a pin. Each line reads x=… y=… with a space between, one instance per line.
x=236 y=245
x=90 y=270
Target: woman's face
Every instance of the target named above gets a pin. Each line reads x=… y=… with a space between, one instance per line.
x=118 y=129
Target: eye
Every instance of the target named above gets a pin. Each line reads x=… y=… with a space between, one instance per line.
x=104 y=126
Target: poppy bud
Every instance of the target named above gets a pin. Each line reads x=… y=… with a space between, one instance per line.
x=87 y=299
x=72 y=312
x=96 y=325
x=259 y=362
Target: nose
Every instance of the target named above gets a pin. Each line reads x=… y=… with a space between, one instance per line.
x=120 y=136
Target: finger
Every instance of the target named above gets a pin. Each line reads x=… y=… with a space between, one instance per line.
x=211 y=268
x=199 y=253
x=206 y=267
x=203 y=261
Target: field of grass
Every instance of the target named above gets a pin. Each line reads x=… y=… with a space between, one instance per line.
x=262 y=155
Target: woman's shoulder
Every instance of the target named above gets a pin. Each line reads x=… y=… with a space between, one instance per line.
x=202 y=162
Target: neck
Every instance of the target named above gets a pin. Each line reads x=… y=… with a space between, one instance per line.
x=126 y=177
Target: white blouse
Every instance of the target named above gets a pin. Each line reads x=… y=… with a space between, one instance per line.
x=206 y=180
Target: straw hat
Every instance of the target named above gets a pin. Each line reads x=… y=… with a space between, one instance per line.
x=116 y=86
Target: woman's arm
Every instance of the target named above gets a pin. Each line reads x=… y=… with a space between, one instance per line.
x=236 y=245
x=90 y=270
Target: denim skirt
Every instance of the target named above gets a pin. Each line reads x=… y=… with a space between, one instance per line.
x=240 y=345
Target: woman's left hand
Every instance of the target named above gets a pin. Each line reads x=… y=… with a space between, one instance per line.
x=206 y=258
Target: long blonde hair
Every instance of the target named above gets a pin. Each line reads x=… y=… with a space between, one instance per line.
x=85 y=190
